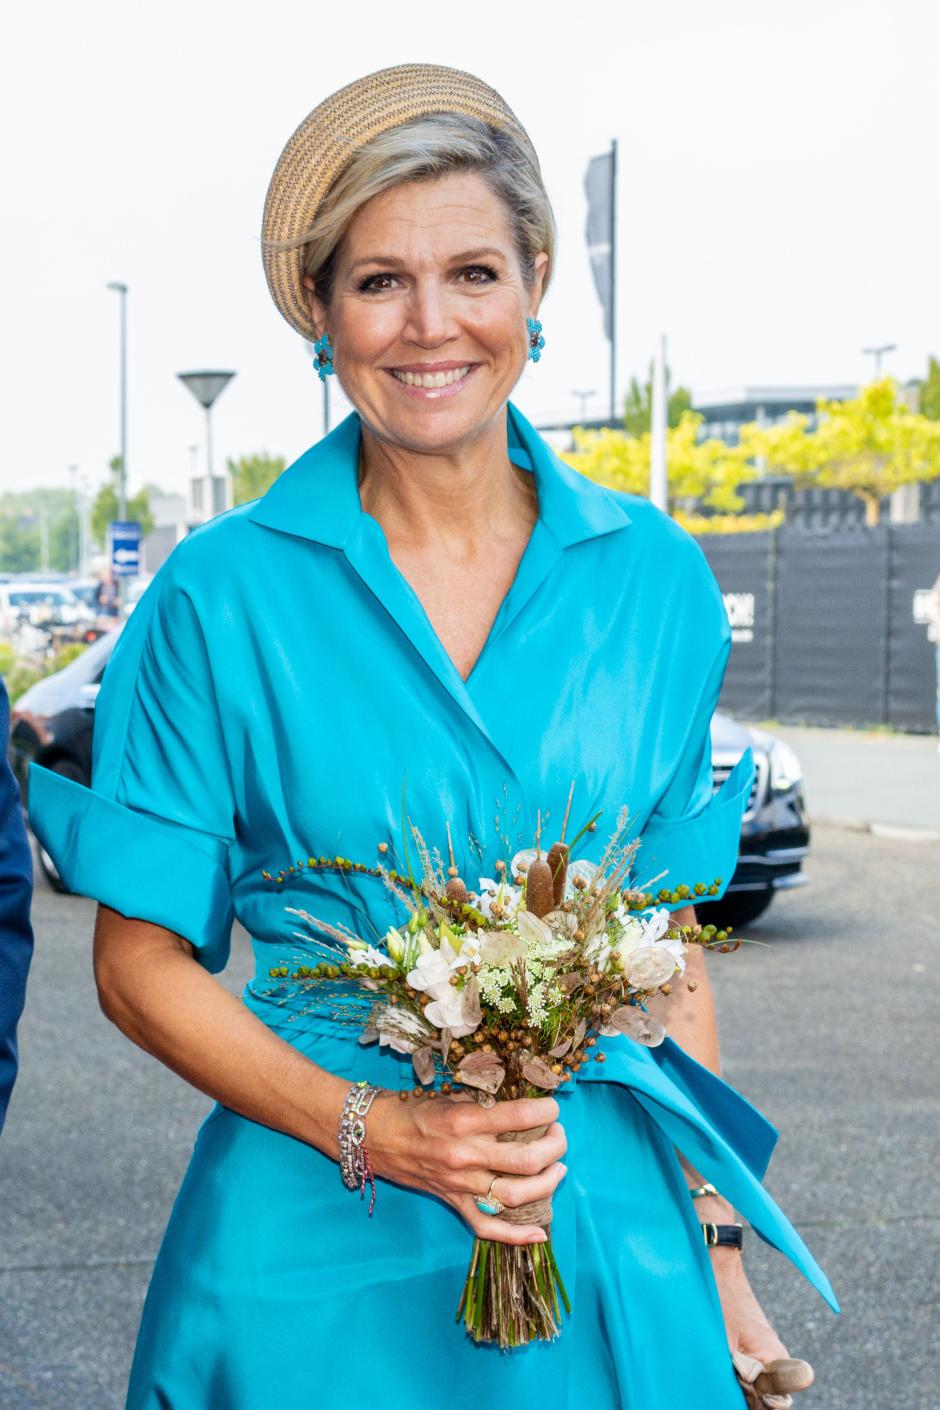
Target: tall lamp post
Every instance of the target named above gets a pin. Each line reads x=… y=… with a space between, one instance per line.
x=122 y=482
x=206 y=388
x=878 y=353
x=121 y=289
x=583 y=398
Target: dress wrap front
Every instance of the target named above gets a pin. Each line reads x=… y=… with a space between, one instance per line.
x=279 y=693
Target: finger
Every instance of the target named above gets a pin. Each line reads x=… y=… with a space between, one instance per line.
x=520 y=1115
x=747 y=1367
x=776 y=1402
x=516 y=1190
x=490 y=1226
x=523 y=1157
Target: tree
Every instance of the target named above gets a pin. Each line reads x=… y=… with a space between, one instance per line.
x=930 y=391
x=698 y=472
x=106 y=505
x=253 y=474
x=869 y=445
x=19 y=544
x=638 y=408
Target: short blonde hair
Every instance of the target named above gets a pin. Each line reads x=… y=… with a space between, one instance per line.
x=422 y=150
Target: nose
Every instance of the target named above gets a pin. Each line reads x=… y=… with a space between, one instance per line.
x=430 y=320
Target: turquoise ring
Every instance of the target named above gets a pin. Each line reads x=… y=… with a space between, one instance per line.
x=488 y=1203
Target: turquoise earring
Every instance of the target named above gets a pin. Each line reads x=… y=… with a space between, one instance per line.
x=536 y=341
x=323 y=361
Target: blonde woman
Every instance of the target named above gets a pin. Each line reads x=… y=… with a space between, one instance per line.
x=427 y=595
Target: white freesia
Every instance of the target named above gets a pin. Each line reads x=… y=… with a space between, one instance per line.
x=433 y=970
x=453 y=1011
x=508 y=898
x=395 y=944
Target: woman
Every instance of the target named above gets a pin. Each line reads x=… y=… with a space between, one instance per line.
x=429 y=600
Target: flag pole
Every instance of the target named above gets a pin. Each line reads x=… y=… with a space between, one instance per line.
x=659 y=417
x=613 y=280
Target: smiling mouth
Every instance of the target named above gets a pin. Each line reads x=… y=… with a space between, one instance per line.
x=431 y=380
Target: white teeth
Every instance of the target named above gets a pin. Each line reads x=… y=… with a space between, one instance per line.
x=430 y=380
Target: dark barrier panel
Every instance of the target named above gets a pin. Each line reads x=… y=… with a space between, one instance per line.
x=914 y=563
x=830 y=655
x=742 y=563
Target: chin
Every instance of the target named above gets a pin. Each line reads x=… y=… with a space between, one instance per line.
x=435 y=426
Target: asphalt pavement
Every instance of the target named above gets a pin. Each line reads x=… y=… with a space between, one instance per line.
x=829 y=1026
x=870 y=779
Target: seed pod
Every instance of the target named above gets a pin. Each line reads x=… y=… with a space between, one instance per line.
x=540 y=898
x=456 y=890
x=558 y=863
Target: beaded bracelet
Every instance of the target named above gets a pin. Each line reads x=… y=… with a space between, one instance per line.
x=354 y=1163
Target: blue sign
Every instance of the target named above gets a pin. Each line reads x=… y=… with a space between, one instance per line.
x=124 y=548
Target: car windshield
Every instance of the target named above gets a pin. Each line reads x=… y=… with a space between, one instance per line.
x=49 y=597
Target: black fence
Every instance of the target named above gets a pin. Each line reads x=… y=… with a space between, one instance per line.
x=829 y=626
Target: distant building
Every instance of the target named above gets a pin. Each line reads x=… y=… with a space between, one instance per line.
x=725 y=412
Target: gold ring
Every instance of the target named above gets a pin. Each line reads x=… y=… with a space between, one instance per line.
x=488 y=1203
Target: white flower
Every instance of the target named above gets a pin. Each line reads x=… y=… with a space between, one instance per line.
x=401 y=1031
x=369 y=955
x=395 y=944
x=500 y=893
x=457 y=1009
x=432 y=972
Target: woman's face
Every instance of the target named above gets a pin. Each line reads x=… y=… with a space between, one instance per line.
x=428 y=312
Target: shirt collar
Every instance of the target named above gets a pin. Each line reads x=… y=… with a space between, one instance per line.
x=317 y=496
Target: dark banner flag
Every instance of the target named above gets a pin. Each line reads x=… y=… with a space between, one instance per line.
x=599 y=187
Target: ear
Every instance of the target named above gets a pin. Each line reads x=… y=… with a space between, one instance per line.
x=317 y=308
x=540 y=265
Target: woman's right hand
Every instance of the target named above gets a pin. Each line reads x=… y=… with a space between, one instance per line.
x=449 y=1147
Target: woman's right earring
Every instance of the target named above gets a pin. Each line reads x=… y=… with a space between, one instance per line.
x=323 y=361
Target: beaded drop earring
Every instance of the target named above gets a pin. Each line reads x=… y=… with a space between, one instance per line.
x=536 y=341
x=323 y=361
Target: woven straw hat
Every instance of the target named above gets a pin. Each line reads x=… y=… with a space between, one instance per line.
x=327 y=139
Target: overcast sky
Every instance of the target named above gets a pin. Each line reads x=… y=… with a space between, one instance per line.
x=778 y=203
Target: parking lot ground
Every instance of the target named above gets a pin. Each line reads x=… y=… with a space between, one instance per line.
x=829 y=1026
x=869 y=778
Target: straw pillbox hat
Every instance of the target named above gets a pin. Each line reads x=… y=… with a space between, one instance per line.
x=327 y=139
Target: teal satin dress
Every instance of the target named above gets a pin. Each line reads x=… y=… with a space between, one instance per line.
x=271 y=697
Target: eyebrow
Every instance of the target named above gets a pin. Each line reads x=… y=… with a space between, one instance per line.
x=466 y=257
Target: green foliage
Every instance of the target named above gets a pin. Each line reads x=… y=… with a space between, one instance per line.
x=704 y=472
x=106 y=505
x=19 y=544
x=869 y=445
x=930 y=391
x=638 y=407
x=20 y=675
x=252 y=475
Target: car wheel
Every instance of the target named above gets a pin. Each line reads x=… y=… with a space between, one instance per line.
x=68 y=769
x=736 y=908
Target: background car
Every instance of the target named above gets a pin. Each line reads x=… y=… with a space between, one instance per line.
x=53 y=723
x=775 y=833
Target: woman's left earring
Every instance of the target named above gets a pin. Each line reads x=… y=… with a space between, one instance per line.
x=323 y=361
x=536 y=341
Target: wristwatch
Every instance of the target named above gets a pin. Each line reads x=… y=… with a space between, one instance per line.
x=723 y=1235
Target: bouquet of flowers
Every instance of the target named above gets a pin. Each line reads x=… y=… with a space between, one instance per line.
x=504 y=991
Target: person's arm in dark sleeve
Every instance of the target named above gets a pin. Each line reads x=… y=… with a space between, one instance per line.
x=16 y=935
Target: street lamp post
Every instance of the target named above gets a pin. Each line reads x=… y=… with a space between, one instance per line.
x=206 y=388
x=878 y=353
x=583 y=398
x=122 y=483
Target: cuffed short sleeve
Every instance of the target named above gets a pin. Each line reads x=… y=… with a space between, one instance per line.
x=151 y=837
x=693 y=834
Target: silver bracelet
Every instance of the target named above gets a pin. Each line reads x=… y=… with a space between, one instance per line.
x=354 y=1163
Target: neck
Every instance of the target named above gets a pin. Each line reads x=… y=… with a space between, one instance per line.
x=459 y=499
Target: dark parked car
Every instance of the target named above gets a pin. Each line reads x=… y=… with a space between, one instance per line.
x=775 y=833
x=52 y=723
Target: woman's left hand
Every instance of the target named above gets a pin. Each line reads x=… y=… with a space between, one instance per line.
x=751 y=1338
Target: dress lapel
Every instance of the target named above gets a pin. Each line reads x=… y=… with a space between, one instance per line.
x=317 y=497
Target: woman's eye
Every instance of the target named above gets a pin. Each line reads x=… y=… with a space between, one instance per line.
x=377 y=283
x=479 y=274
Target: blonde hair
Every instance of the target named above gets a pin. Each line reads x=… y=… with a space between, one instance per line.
x=422 y=150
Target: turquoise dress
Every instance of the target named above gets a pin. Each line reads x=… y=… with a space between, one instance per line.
x=274 y=692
